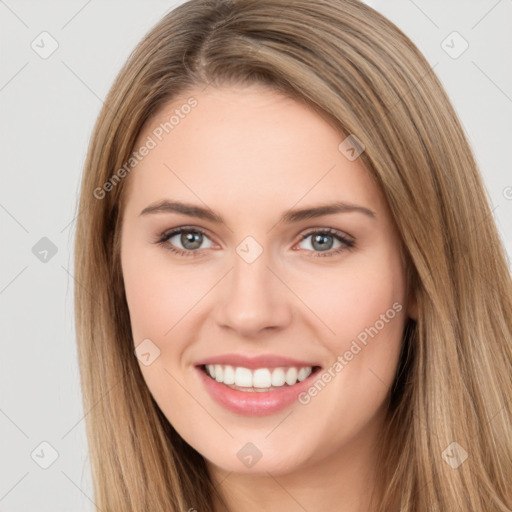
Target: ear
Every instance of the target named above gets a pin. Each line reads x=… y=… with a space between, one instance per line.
x=412 y=306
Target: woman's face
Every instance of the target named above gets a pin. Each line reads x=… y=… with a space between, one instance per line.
x=287 y=282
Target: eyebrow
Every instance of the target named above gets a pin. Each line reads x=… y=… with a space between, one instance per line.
x=290 y=216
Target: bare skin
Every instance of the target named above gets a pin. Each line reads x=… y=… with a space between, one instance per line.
x=250 y=155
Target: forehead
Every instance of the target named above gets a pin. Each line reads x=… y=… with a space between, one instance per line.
x=245 y=148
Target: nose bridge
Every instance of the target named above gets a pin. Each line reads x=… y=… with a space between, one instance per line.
x=252 y=299
x=251 y=276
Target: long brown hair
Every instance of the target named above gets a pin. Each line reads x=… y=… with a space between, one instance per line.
x=453 y=383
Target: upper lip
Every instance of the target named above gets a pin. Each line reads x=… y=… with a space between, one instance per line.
x=254 y=362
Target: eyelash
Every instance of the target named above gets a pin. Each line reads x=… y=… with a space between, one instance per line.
x=347 y=242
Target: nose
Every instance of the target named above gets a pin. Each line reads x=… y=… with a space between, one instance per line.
x=252 y=299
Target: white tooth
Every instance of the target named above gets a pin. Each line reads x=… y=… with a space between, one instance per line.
x=291 y=376
x=304 y=373
x=261 y=378
x=243 y=377
x=278 y=377
x=229 y=375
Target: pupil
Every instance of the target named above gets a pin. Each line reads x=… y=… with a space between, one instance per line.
x=191 y=239
x=323 y=241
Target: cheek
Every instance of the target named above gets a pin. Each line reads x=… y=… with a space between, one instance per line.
x=161 y=304
x=158 y=296
x=361 y=306
x=354 y=297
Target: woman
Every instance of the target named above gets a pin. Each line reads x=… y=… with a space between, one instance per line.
x=293 y=295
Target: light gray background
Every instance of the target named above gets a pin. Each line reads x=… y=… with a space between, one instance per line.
x=47 y=110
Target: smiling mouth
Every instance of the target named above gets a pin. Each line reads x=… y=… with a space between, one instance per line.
x=259 y=379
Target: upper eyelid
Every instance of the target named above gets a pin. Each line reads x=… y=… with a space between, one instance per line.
x=331 y=231
x=176 y=231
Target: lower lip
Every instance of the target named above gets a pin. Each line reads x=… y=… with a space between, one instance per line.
x=254 y=403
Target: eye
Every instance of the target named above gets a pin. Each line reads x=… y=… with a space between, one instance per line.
x=324 y=240
x=190 y=239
